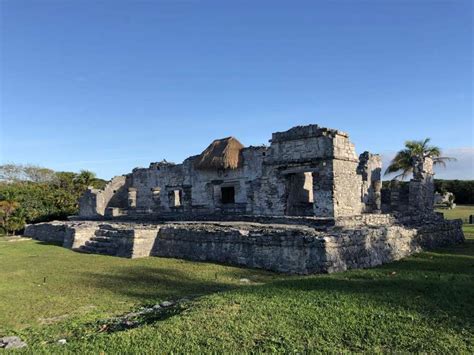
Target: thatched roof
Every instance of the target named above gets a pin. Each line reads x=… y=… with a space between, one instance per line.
x=221 y=154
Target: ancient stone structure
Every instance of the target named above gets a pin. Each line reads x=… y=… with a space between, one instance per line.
x=291 y=248
x=445 y=200
x=306 y=171
x=306 y=203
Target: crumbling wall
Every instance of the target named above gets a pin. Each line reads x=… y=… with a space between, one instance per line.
x=93 y=203
x=355 y=242
x=88 y=203
x=370 y=170
x=68 y=234
x=49 y=232
x=303 y=252
x=415 y=197
x=264 y=184
x=369 y=247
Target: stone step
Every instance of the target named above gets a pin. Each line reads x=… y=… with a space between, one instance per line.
x=99 y=244
x=100 y=238
x=107 y=233
x=96 y=250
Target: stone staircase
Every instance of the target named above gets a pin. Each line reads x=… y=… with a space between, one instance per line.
x=105 y=241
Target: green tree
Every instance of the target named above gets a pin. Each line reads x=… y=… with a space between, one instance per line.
x=405 y=160
x=85 y=178
x=42 y=199
x=7 y=207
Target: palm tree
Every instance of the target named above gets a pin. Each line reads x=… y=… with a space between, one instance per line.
x=85 y=178
x=415 y=151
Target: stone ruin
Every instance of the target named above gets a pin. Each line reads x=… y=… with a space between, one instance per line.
x=304 y=204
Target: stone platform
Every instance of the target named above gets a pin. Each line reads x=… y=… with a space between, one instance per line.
x=308 y=246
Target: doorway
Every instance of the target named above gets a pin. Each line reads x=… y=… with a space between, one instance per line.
x=300 y=194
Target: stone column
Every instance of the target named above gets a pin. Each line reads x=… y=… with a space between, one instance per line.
x=156 y=197
x=421 y=187
x=369 y=168
x=377 y=196
x=323 y=191
x=132 y=197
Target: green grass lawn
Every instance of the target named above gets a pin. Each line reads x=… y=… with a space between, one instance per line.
x=462 y=211
x=422 y=303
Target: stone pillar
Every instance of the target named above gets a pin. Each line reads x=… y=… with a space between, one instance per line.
x=323 y=191
x=156 y=197
x=377 y=203
x=132 y=197
x=421 y=187
x=347 y=188
x=187 y=197
x=369 y=168
x=91 y=203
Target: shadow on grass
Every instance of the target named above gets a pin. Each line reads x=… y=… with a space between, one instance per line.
x=149 y=284
x=437 y=285
x=127 y=322
x=56 y=244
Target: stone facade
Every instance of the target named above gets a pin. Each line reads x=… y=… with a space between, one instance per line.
x=307 y=170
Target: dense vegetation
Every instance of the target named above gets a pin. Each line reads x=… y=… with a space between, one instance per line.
x=419 y=304
x=30 y=194
x=463 y=190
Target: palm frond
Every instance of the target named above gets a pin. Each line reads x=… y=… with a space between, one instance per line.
x=442 y=161
x=415 y=150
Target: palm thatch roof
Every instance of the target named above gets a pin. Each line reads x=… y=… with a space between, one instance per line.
x=221 y=154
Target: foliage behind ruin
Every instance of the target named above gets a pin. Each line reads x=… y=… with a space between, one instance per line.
x=41 y=194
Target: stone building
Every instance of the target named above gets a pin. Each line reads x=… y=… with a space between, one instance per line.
x=305 y=204
x=306 y=171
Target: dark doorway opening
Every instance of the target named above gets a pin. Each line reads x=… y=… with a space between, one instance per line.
x=300 y=194
x=228 y=194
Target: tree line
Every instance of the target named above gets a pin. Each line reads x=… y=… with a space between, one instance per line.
x=31 y=194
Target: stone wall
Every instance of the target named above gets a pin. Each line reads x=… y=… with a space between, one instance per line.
x=352 y=243
x=369 y=247
x=50 y=232
x=415 y=197
x=277 y=250
x=303 y=252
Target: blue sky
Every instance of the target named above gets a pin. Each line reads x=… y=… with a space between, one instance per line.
x=111 y=85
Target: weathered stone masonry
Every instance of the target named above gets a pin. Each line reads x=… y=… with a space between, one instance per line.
x=306 y=170
x=305 y=204
x=282 y=248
